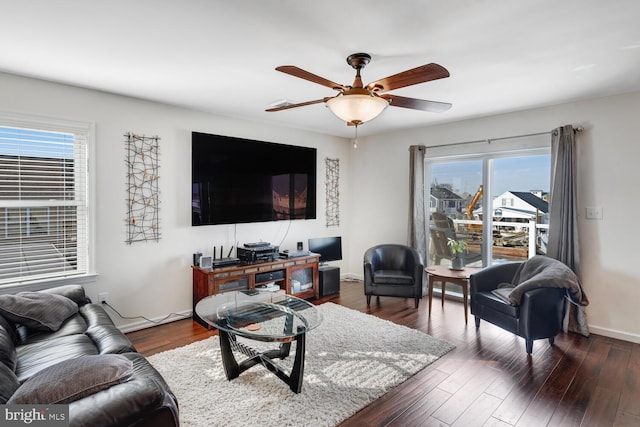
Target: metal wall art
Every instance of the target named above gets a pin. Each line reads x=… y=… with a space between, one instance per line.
x=333 y=192
x=143 y=223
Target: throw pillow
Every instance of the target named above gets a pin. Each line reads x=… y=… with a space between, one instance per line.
x=73 y=379
x=37 y=310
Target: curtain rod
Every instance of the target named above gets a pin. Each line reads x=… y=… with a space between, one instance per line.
x=489 y=140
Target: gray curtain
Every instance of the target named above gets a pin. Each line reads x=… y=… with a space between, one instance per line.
x=417 y=236
x=563 y=242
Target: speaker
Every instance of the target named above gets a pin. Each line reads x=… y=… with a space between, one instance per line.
x=329 y=280
x=300 y=247
x=206 y=262
x=196 y=258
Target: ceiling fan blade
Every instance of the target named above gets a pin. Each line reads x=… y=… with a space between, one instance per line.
x=301 y=104
x=300 y=73
x=417 y=104
x=424 y=73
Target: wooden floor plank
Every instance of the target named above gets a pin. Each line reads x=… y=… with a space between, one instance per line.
x=478 y=412
x=535 y=372
x=422 y=409
x=488 y=379
x=572 y=407
x=602 y=409
x=630 y=398
x=476 y=381
x=396 y=401
x=544 y=404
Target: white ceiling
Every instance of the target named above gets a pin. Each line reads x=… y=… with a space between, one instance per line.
x=219 y=56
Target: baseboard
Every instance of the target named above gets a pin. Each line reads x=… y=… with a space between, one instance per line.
x=143 y=324
x=597 y=330
x=612 y=333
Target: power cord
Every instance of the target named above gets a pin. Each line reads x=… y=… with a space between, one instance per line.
x=184 y=316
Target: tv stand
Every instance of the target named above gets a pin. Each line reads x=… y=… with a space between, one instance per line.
x=296 y=276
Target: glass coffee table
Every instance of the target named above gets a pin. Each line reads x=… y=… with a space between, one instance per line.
x=264 y=316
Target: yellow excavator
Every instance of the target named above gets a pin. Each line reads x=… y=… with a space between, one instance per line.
x=472 y=204
x=474 y=228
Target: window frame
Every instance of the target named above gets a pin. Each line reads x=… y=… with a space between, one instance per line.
x=516 y=147
x=87 y=129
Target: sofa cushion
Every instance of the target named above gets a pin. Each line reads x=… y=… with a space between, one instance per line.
x=396 y=277
x=10 y=328
x=8 y=354
x=8 y=383
x=495 y=303
x=37 y=310
x=37 y=356
x=74 y=325
x=73 y=379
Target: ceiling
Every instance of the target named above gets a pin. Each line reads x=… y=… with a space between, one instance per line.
x=219 y=56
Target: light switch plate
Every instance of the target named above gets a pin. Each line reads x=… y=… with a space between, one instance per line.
x=594 y=212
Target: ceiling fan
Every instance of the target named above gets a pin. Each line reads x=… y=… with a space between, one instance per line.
x=357 y=104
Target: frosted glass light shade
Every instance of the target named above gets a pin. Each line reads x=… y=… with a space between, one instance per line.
x=357 y=108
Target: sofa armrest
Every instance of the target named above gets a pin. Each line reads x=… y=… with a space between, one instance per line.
x=489 y=278
x=105 y=335
x=542 y=312
x=144 y=400
x=369 y=266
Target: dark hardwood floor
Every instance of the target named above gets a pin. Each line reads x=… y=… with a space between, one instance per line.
x=487 y=380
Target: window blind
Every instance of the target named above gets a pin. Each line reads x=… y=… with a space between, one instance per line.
x=43 y=204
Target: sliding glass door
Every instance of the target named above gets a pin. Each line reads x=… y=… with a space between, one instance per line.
x=495 y=202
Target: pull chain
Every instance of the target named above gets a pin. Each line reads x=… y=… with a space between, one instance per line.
x=355 y=141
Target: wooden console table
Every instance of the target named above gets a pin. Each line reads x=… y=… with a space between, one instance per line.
x=296 y=276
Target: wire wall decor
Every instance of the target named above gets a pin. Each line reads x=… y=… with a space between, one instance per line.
x=143 y=202
x=333 y=191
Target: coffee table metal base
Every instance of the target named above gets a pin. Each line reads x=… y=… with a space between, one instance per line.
x=233 y=369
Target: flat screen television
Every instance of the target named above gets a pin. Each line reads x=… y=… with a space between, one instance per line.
x=329 y=248
x=236 y=180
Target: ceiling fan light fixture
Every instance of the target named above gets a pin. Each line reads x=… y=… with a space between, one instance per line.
x=357 y=108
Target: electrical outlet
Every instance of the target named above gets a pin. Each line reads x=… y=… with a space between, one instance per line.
x=102 y=297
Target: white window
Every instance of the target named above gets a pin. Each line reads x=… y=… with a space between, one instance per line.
x=43 y=200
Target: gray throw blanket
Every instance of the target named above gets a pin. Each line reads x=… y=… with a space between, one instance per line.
x=542 y=272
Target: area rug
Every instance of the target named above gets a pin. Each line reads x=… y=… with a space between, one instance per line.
x=352 y=359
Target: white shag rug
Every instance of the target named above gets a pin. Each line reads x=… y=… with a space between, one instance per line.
x=352 y=358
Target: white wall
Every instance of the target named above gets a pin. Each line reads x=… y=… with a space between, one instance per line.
x=608 y=153
x=153 y=279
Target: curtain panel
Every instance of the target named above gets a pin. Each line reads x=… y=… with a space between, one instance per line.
x=563 y=217
x=417 y=235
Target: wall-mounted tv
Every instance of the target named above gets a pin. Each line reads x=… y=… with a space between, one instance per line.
x=329 y=248
x=237 y=180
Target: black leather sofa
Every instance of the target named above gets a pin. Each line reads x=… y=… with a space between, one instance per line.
x=27 y=354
